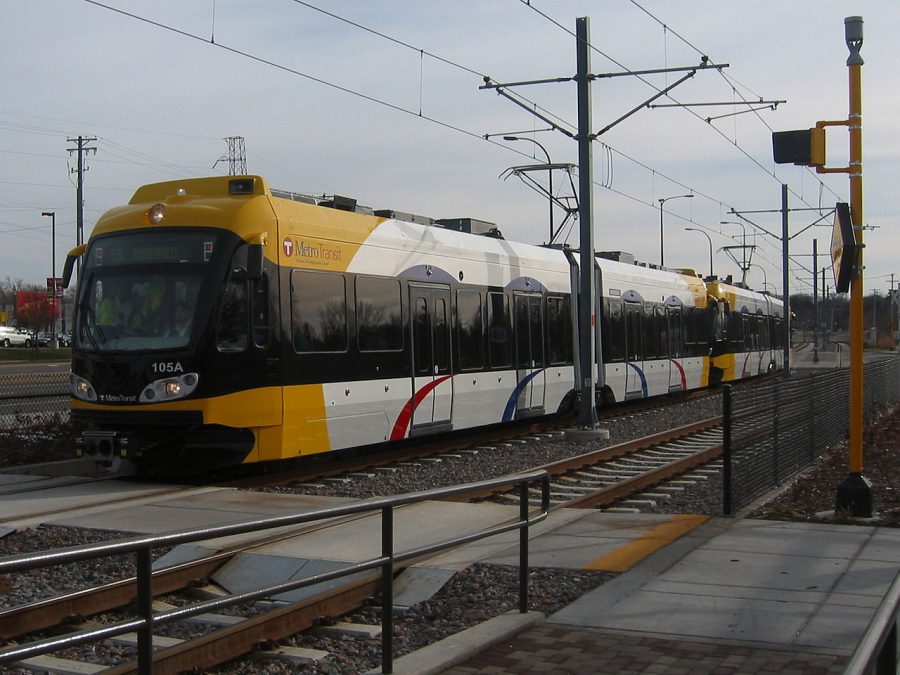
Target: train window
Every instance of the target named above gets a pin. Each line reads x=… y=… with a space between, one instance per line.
x=536 y=329
x=675 y=333
x=378 y=320
x=633 y=350
x=662 y=328
x=614 y=335
x=499 y=342
x=559 y=340
x=469 y=330
x=232 y=334
x=651 y=333
x=718 y=323
x=523 y=351
x=422 y=337
x=441 y=335
x=699 y=332
x=261 y=312
x=318 y=311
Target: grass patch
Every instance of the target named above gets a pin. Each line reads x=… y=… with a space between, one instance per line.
x=28 y=355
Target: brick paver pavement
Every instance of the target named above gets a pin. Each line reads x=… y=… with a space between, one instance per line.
x=553 y=648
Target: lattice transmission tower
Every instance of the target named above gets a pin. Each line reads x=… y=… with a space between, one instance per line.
x=236 y=157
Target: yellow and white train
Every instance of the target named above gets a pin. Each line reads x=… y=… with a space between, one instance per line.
x=220 y=322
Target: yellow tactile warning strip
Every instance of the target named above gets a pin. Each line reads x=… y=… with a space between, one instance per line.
x=625 y=557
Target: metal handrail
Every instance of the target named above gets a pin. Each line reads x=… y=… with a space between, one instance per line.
x=877 y=651
x=142 y=546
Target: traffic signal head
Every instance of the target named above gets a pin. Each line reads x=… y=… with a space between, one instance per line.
x=805 y=147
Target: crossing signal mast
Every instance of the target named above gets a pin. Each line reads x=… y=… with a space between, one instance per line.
x=807 y=148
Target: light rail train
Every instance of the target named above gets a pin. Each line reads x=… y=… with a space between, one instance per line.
x=220 y=322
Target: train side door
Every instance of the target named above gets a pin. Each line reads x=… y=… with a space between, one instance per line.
x=634 y=352
x=675 y=340
x=530 y=373
x=432 y=375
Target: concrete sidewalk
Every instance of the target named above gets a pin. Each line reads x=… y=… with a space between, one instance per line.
x=744 y=596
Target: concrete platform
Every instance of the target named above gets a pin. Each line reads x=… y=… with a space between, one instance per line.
x=732 y=596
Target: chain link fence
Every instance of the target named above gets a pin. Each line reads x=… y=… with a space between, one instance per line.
x=773 y=430
x=29 y=398
x=34 y=417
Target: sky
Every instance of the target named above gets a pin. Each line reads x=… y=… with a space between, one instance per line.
x=381 y=101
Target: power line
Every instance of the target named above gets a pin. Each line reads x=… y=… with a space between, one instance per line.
x=419 y=113
x=390 y=39
x=650 y=84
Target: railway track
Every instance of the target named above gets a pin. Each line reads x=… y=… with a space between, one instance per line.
x=604 y=477
x=612 y=476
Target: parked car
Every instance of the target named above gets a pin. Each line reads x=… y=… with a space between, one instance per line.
x=44 y=339
x=12 y=337
x=65 y=339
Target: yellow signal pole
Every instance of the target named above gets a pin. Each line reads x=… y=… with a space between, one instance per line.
x=854 y=495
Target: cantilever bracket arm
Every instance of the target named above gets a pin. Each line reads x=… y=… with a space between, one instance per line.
x=645 y=104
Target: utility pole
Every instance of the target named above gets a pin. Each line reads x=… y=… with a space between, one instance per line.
x=892 y=313
x=816 y=300
x=785 y=262
x=81 y=148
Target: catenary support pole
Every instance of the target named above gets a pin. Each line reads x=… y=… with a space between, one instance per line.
x=587 y=416
x=785 y=288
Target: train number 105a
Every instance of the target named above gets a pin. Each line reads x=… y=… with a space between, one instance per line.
x=166 y=367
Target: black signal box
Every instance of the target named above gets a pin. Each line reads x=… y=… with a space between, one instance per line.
x=805 y=147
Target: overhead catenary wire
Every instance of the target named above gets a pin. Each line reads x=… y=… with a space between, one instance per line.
x=352 y=92
x=605 y=183
x=750 y=157
x=728 y=78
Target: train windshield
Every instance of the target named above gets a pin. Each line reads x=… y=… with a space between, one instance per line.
x=140 y=291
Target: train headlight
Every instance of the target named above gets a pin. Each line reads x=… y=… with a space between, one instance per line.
x=169 y=388
x=156 y=213
x=80 y=388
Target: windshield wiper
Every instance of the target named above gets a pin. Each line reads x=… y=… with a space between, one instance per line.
x=90 y=318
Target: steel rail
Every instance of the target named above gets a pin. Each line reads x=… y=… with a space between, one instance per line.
x=44 y=614
x=236 y=640
x=564 y=466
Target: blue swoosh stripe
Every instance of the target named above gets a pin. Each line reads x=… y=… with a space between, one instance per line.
x=514 y=397
x=643 y=378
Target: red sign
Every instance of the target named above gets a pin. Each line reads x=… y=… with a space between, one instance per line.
x=58 y=292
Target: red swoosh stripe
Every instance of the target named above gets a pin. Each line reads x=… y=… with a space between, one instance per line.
x=402 y=423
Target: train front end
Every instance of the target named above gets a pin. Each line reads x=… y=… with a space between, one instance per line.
x=172 y=330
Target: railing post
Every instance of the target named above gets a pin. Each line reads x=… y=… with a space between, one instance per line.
x=387 y=590
x=523 y=547
x=886 y=663
x=145 y=610
x=726 y=451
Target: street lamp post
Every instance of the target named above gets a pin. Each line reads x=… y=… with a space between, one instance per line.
x=52 y=216
x=662 y=248
x=549 y=175
x=709 y=239
x=765 y=277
